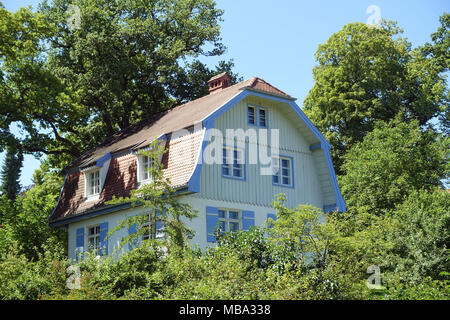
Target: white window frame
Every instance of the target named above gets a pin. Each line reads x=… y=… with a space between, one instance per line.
x=95 y=236
x=256 y=115
x=226 y=220
x=92 y=192
x=231 y=166
x=147 y=235
x=277 y=170
x=144 y=163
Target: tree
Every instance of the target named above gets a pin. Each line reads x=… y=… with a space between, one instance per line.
x=367 y=74
x=159 y=205
x=438 y=53
x=392 y=161
x=10 y=174
x=25 y=220
x=422 y=240
x=123 y=62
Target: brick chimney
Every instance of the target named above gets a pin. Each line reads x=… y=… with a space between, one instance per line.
x=219 y=82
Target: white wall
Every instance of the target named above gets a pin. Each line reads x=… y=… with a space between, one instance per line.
x=258 y=189
x=198 y=225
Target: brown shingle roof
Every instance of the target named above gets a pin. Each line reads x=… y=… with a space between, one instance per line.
x=172 y=120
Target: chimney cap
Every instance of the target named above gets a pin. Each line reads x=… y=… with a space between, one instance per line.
x=220 y=81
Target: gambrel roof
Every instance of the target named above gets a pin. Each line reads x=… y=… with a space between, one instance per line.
x=183 y=116
x=181 y=164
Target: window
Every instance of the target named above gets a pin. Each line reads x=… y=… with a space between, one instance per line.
x=146 y=229
x=233 y=163
x=148 y=232
x=92 y=183
x=262 y=118
x=94 y=238
x=145 y=163
x=282 y=171
x=229 y=220
x=257 y=116
x=251 y=115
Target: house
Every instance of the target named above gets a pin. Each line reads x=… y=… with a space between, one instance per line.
x=235 y=191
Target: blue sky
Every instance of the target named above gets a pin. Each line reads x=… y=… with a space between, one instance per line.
x=276 y=40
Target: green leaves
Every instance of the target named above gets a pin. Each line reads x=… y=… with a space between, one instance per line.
x=368 y=74
x=393 y=160
x=68 y=89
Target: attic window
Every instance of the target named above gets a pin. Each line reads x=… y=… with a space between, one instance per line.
x=144 y=164
x=92 y=183
x=257 y=116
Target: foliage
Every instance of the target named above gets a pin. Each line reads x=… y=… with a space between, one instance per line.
x=392 y=161
x=438 y=54
x=10 y=174
x=70 y=87
x=26 y=219
x=367 y=74
x=421 y=242
x=23 y=279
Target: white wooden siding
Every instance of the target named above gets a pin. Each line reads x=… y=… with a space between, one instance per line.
x=295 y=140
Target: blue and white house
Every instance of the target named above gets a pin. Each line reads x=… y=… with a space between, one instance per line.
x=229 y=154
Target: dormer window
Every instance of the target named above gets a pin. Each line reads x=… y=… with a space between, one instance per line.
x=92 y=183
x=144 y=163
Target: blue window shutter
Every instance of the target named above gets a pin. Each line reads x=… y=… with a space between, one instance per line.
x=132 y=230
x=248 y=219
x=79 y=242
x=103 y=239
x=212 y=220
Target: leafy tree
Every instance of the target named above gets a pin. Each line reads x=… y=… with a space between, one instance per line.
x=438 y=53
x=10 y=174
x=22 y=279
x=22 y=76
x=421 y=242
x=26 y=219
x=158 y=200
x=125 y=61
x=365 y=74
x=392 y=161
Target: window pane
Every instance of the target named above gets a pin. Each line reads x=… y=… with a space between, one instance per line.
x=234 y=215
x=276 y=179
x=234 y=226
x=251 y=115
x=285 y=163
x=286 y=181
x=262 y=117
x=225 y=170
x=222 y=225
x=222 y=214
